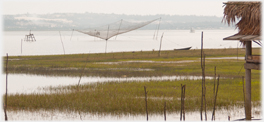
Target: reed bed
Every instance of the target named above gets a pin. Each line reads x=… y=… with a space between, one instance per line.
x=128 y=97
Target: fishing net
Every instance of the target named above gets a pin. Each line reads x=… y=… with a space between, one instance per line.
x=113 y=29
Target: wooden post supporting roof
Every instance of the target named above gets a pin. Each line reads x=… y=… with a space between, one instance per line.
x=252 y=62
x=248 y=83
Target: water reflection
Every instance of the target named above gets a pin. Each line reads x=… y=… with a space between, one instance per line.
x=221 y=114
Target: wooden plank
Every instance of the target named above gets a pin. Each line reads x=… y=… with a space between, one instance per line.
x=253 y=59
x=252 y=66
x=243 y=37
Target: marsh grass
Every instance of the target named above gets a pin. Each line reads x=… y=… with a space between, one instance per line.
x=128 y=97
x=72 y=65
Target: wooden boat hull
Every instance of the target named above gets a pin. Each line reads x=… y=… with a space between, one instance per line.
x=187 y=48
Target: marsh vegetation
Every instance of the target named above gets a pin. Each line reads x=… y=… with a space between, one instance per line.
x=128 y=97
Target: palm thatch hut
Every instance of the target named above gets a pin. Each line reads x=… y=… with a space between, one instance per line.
x=248 y=14
x=249 y=29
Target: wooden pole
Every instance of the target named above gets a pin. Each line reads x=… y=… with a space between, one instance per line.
x=105 y=46
x=215 y=95
x=82 y=72
x=160 y=43
x=204 y=91
x=183 y=111
x=244 y=91
x=214 y=78
x=71 y=34
x=158 y=30
x=181 y=103
x=146 y=101
x=182 y=117
x=6 y=87
x=202 y=50
x=119 y=27
x=155 y=32
x=165 y=110
x=201 y=114
x=248 y=84
x=21 y=45
x=62 y=44
x=106 y=39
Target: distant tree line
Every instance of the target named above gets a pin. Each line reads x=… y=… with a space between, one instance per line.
x=69 y=21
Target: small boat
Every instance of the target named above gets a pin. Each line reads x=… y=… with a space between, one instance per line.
x=187 y=48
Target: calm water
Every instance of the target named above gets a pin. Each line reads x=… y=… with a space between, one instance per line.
x=221 y=114
x=23 y=83
x=49 y=42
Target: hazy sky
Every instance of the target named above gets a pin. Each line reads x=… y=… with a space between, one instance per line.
x=139 y=7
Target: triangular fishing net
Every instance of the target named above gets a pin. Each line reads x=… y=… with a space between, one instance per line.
x=113 y=29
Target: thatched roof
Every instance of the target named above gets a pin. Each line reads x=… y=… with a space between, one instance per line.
x=247 y=13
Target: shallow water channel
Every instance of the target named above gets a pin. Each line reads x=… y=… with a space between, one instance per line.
x=23 y=83
x=221 y=114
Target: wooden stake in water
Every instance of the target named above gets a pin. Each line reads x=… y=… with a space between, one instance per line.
x=119 y=27
x=244 y=91
x=71 y=34
x=204 y=91
x=146 y=101
x=214 y=78
x=82 y=72
x=5 y=107
x=160 y=43
x=158 y=30
x=165 y=111
x=21 y=45
x=202 y=77
x=106 y=40
x=182 y=117
x=62 y=43
x=213 y=115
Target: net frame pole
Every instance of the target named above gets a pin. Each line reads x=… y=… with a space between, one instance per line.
x=119 y=27
x=71 y=34
x=106 y=39
x=62 y=43
x=158 y=29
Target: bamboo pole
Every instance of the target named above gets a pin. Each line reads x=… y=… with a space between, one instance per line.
x=244 y=92
x=106 y=40
x=119 y=27
x=201 y=114
x=158 y=29
x=71 y=34
x=160 y=43
x=181 y=104
x=62 y=44
x=5 y=107
x=215 y=95
x=182 y=117
x=205 y=114
x=183 y=111
x=21 y=45
x=214 y=78
x=165 y=110
x=146 y=101
x=82 y=72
